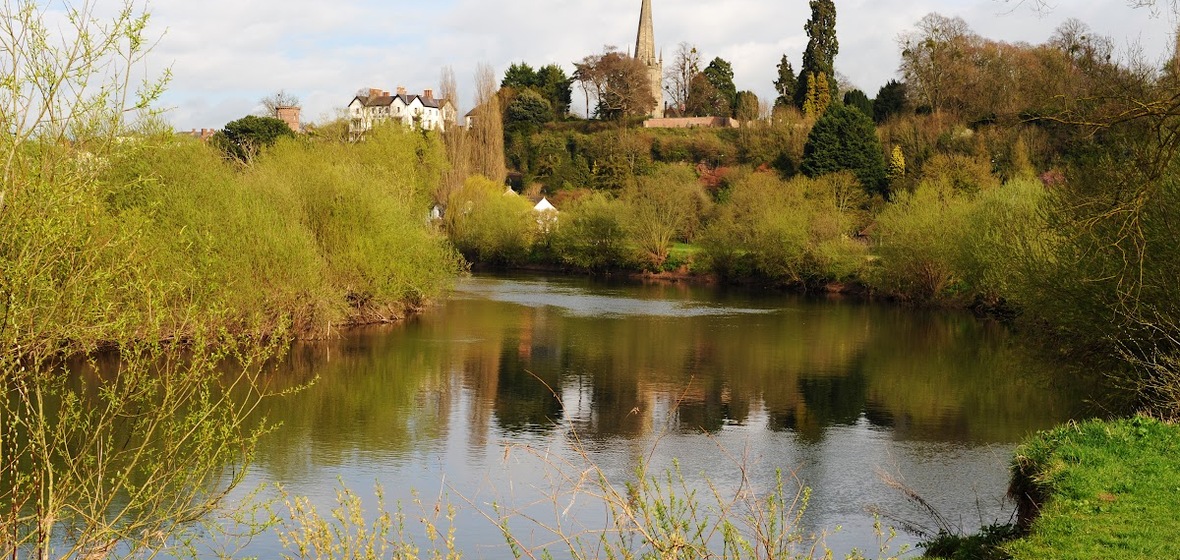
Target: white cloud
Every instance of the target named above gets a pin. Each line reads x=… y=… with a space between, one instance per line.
x=227 y=54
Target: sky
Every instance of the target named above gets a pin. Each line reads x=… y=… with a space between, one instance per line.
x=226 y=55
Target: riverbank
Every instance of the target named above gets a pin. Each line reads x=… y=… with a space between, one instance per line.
x=1096 y=489
x=1099 y=490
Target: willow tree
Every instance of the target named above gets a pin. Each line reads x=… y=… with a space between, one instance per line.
x=96 y=462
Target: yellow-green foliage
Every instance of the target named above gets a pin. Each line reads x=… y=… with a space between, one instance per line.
x=592 y=234
x=796 y=231
x=490 y=225
x=160 y=235
x=663 y=209
x=943 y=241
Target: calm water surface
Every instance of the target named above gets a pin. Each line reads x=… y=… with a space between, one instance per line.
x=495 y=394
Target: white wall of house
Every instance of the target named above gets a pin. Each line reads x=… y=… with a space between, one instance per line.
x=410 y=110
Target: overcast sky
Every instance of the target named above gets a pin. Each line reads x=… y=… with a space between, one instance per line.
x=226 y=55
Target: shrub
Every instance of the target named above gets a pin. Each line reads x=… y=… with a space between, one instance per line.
x=591 y=234
x=489 y=225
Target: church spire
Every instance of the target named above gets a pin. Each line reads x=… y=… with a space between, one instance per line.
x=645 y=42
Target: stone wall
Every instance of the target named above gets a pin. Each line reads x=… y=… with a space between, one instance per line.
x=692 y=122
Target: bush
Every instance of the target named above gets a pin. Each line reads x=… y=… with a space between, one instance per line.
x=919 y=236
x=489 y=225
x=797 y=232
x=591 y=234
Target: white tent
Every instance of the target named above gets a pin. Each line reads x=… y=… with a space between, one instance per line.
x=544 y=206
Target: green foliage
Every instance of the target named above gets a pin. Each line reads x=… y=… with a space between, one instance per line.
x=941 y=243
x=795 y=233
x=519 y=76
x=528 y=111
x=822 y=47
x=719 y=74
x=890 y=101
x=918 y=238
x=785 y=84
x=489 y=225
x=960 y=173
x=556 y=86
x=845 y=139
x=246 y=137
x=857 y=98
x=819 y=96
x=592 y=234
x=663 y=209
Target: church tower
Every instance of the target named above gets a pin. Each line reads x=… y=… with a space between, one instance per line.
x=645 y=51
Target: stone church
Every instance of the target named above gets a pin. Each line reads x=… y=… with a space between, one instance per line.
x=645 y=51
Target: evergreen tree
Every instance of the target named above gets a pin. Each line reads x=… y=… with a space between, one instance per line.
x=557 y=88
x=896 y=165
x=719 y=72
x=785 y=84
x=246 y=137
x=819 y=95
x=822 y=47
x=857 y=99
x=519 y=76
x=891 y=100
x=845 y=139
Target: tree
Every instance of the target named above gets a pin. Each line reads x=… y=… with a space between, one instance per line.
x=555 y=86
x=487 y=132
x=931 y=57
x=678 y=77
x=819 y=96
x=747 y=106
x=619 y=84
x=519 y=76
x=785 y=84
x=822 y=47
x=891 y=100
x=96 y=463
x=857 y=98
x=703 y=99
x=279 y=99
x=246 y=137
x=719 y=72
x=845 y=139
x=528 y=111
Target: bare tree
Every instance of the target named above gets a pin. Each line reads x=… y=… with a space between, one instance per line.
x=487 y=131
x=276 y=100
x=455 y=140
x=678 y=77
x=620 y=84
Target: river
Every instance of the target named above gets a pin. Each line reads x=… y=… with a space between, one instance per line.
x=513 y=387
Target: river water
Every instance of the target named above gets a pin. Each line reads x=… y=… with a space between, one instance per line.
x=517 y=392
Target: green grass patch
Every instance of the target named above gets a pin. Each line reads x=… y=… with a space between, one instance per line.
x=1105 y=490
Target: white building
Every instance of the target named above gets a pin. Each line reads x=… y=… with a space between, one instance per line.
x=422 y=112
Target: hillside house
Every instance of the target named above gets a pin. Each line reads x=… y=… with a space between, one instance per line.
x=422 y=112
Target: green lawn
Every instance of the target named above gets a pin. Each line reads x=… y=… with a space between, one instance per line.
x=1112 y=491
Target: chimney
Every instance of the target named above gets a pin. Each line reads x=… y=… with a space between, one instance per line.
x=428 y=94
x=374 y=92
x=290 y=115
x=385 y=94
x=401 y=90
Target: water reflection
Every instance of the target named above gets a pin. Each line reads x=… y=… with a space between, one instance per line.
x=834 y=389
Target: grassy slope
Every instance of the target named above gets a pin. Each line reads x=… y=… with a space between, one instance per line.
x=1112 y=491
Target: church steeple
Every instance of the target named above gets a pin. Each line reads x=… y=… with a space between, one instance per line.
x=645 y=41
x=645 y=51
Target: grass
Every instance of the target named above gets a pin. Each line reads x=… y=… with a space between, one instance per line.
x=1102 y=489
